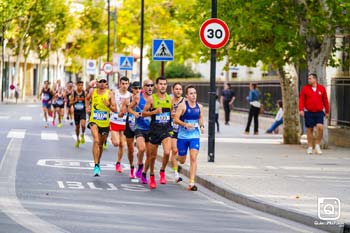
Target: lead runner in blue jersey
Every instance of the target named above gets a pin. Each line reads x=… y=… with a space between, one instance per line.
x=189 y=115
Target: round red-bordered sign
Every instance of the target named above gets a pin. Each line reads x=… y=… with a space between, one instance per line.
x=108 y=67
x=214 y=33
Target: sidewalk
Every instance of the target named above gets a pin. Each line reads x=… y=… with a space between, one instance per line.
x=260 y=172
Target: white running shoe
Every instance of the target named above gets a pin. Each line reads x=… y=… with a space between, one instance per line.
x=318 y=150
x=309 y=151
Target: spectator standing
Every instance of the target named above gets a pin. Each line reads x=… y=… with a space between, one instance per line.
x=313 y=106
x=227 y=99
x=254 y=110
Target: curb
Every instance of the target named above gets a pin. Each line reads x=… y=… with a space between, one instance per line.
x=261 y=205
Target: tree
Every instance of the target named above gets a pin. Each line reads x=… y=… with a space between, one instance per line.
x=286 y=34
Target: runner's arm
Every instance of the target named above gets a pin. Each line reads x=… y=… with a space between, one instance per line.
x=87 y=102
x=112 y=103
x=201 y=119
x=130 y=109
x=179 y=112
x=147 y=107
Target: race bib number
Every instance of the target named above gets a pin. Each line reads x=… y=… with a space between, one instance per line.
x=59 y=102
x=100 y=115
x=131 y=121
x=194 y=123
x=163 y=118
x=79 y=106
x=46 y=97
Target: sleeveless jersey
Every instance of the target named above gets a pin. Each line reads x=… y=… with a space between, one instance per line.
x=99 y=111
x=190 y=116
x=119 y=99
x=175 y=106
x=130 y=120
x=142 y=123
x=46 y=95
x=163 y=119
x=79 y=101
x=60 y=100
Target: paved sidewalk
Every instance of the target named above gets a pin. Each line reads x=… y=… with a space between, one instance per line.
x=260 y=172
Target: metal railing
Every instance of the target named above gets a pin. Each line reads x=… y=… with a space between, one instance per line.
x=340 y=102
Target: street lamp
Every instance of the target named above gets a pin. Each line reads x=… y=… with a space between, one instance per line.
x=50 y=27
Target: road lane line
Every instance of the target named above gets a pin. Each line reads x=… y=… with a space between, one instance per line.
x=26 y=118
x=16 y=133
x=9 y=203
x=49 y=136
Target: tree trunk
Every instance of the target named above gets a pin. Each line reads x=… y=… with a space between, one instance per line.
x=290 y=98
x=23 y=91
x=318 y=55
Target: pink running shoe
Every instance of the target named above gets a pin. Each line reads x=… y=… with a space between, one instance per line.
x=162 y=178
x=118 y=168
x=132 y=175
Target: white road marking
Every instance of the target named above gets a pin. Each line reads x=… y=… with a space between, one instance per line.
x=4 y=117
x=78 y=164
x=26 y=118
x=49 y=136
x=271 y=167
x=16 y=133
x=9 y=204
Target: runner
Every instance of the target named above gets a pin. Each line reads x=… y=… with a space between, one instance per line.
x=129 y=132
x=58 y=104
x=118 y=120
x=161 y=130
x=69 y=108
x=46 y=98
x=177 y=99
x=77 y=100
x=189 y=116
x=102 y=102
x=142 y=128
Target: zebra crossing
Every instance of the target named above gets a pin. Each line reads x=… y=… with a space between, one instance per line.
x=44 y=135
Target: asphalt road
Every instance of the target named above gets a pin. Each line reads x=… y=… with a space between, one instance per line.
x=46 y=185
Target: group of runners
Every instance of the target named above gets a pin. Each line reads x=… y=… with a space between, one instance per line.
x=135 y=112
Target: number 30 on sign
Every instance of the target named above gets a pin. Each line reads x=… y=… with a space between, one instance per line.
x=214 y=33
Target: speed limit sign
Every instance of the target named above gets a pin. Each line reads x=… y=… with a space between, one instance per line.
x=214 y=33
x=108 y=67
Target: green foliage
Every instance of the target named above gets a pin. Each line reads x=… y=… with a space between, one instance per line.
x=172 y=70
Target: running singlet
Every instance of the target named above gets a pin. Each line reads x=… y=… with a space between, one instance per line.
x=142 y=123
x=60 y=100
x=191 y=116
x=175 y=106
x=79 y=101
x=46 y=95
x=99 y=111
x=119 y=99
x=161 y=119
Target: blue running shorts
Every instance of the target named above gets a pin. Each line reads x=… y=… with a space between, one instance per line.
x=184 y=144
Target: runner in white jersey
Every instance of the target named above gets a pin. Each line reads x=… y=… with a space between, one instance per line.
x=118 y=120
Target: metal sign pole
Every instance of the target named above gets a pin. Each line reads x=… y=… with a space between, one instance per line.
x=212 y=93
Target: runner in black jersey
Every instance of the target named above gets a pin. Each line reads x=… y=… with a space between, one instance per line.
x=77 y=100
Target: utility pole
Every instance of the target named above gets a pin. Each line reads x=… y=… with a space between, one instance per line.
x=108 y=35
x=141 y=38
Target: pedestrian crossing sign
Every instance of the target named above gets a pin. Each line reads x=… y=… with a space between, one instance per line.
x=163 y=50
x=126 y=63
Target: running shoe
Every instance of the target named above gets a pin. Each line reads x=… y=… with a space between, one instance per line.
x=82 y=139
x=118 y=168
x=177 y=180
x=309 y=151
x=192 y=188
x=132 y=175
x=139 y=171
x=152 y=182
x=162 y=178
x=59 y=125
x=71 y=123
x=97 y=170
x=318 y=149
x=53 y=123
x=144 y=179
x=77 y=144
